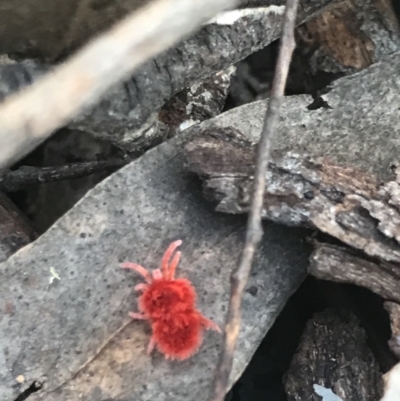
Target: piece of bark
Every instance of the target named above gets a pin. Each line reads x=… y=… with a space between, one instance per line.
x=15 y=231
x=350 y=132
x=131 y=108
x=336 y=263
x=333 y=353
x=393 y=309
x=343 y=265
x=331 y=168
x=350 y=35
x=344 y=202
x=66 y=25
x=75 y=334
x=197 y=103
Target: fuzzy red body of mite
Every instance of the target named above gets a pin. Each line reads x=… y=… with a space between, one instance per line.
x=179 y=337
x=164 y=298
x=170 y=306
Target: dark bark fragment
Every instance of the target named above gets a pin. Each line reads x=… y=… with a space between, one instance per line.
x=333 y=353
x=335 y=263
x=344 y=265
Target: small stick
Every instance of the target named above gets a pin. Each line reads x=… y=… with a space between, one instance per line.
x=254 y=229
x=11 y=181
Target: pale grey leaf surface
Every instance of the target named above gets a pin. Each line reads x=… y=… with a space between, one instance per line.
x=56 y=329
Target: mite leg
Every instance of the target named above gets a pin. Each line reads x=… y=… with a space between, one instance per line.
x=139 y=269
x=152 y=344
x=157 y=274
x=209 y=324
x=137 y=316
x=140 y=287
x=172 y=266
x=167 y=256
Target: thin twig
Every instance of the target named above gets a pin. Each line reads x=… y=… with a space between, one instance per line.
x=27 y=118
x=254 y=230
x=11 y=181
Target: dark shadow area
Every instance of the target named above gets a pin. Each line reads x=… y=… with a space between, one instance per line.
x=254 y=76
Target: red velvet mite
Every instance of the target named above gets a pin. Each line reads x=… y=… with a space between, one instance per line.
x=169 y=304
